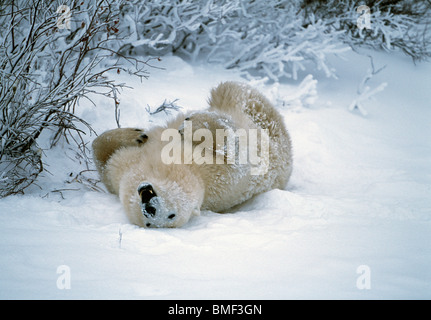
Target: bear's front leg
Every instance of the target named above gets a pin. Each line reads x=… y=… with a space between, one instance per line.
x=110 y=141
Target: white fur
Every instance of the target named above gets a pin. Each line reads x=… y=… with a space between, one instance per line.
x=185 y=189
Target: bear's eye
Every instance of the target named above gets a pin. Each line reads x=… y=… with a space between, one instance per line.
x=187 y=119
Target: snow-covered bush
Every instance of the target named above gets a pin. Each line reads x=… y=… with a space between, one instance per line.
x=393 y=24
x=265 y=38
x=52 y=54
x=273 y=38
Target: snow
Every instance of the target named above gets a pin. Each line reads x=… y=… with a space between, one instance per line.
x=359 y=196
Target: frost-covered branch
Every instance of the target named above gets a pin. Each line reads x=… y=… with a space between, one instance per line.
x=274 y=39
x=394 y=24
x=267 y=38
x=165 y=107
x=48 y=63
x=364 y=91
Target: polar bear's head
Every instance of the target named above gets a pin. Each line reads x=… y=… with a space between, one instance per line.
x=169 y=206
x=162 y=201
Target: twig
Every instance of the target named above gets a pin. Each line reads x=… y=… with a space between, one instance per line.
x=165 y=107
x=365 y=92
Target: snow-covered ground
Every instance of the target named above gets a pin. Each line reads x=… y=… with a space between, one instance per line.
x=353 y=223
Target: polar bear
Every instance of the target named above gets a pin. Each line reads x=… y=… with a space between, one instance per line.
x=168 y=174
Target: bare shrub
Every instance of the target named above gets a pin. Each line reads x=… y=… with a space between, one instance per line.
x=51 y=56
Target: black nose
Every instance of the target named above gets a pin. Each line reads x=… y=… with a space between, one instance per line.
x=150 y=210
x=146 y=192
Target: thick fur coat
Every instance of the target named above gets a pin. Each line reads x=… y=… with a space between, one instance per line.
x=161 y=184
